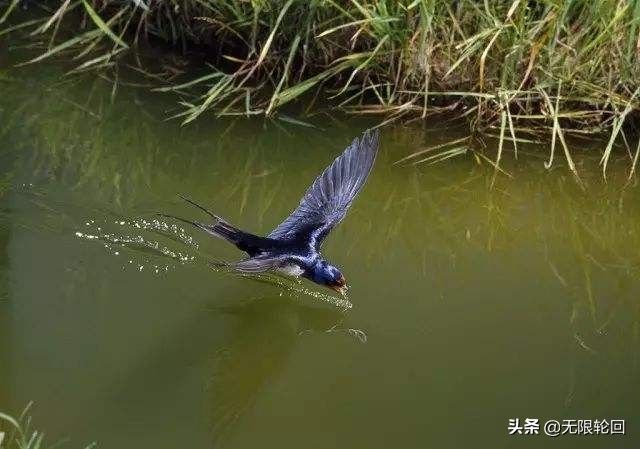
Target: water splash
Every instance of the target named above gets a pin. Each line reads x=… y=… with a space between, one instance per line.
x=128 y=237
x=294 y=287
x=171 y=230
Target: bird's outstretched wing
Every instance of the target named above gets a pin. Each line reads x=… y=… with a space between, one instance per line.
x=258 y=264
x=326 y=202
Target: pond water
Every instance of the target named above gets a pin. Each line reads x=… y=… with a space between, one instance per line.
x=472 y=302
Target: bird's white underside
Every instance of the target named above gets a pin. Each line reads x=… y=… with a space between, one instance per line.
x=291 y=269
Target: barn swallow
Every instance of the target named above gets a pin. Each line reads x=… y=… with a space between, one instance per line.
x=293 y=248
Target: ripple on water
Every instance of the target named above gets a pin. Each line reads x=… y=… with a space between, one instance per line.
x=295 y=287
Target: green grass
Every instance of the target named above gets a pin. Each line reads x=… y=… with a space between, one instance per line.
x=17 y=432
x=512 y=68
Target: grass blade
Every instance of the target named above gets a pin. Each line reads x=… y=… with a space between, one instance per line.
x=102 y=25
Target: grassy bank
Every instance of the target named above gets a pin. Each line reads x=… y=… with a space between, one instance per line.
x=512 y=68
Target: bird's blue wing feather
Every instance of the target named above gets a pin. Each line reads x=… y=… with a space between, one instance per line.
x=326 y=202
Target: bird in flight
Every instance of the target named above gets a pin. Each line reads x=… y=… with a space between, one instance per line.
x=293 y=248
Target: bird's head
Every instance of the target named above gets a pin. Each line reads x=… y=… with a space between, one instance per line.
x=328 y=275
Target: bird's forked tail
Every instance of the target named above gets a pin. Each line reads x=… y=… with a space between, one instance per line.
x=222 y=229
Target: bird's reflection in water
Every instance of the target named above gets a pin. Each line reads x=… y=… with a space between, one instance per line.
x=233 y=351
x=264 y=335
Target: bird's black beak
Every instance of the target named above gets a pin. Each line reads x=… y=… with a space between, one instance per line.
x=340 y=286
